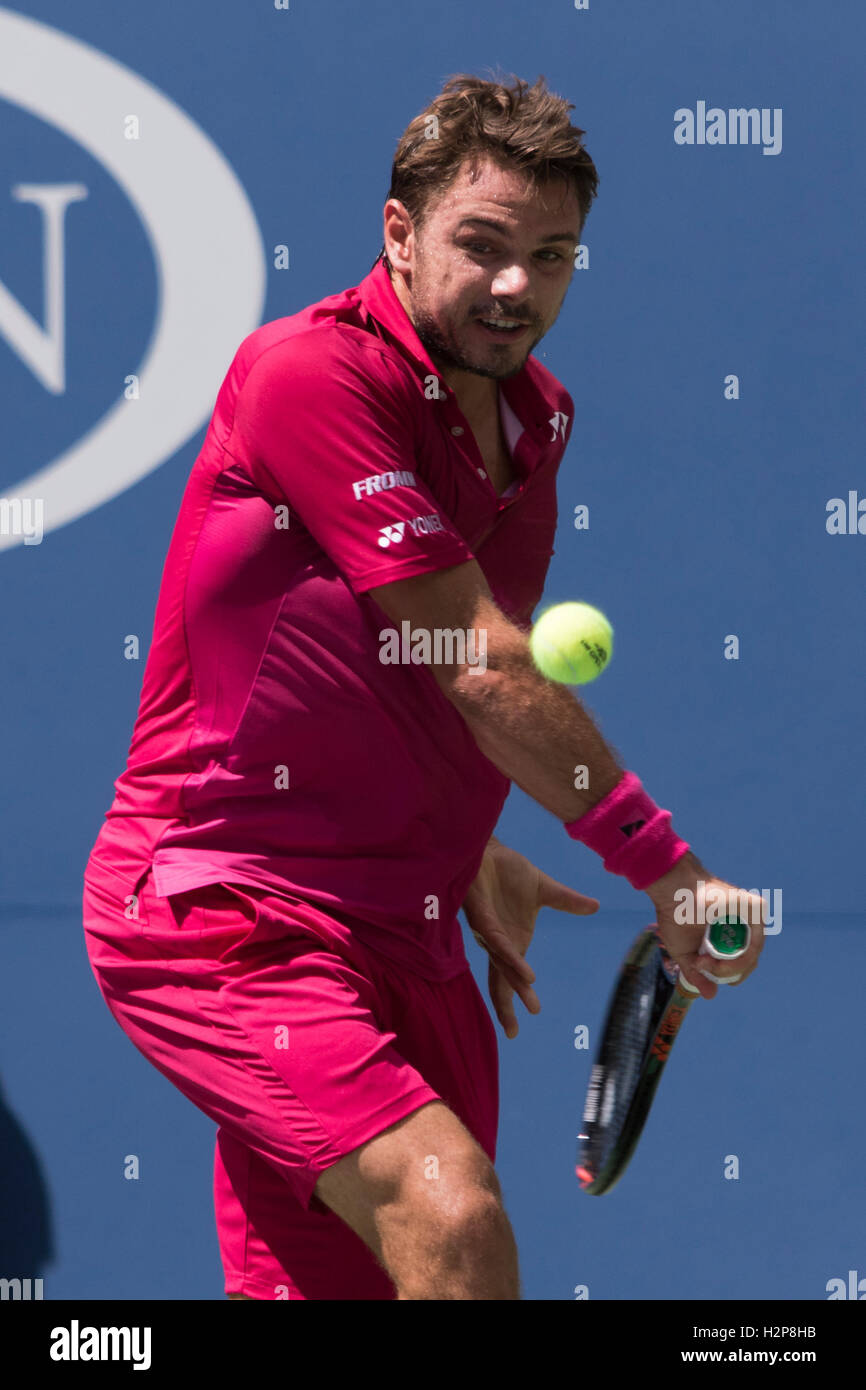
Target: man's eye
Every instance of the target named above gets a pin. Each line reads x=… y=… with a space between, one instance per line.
x=481 y=247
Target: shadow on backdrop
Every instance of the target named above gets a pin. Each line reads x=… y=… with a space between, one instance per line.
x=26 y=1232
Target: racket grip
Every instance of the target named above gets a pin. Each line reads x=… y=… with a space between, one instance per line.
x=727 y=939
x=723 y=940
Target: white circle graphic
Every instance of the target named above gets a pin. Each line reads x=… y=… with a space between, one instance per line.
x=206 y=244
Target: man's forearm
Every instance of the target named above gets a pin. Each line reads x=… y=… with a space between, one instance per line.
x=537 y=733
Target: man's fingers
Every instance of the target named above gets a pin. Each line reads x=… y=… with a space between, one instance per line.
x=707 y=974
x=502 y=991
x=559 y=895
x=502 y=997
x=500 y=948
x=690 y=968
x=518 y=986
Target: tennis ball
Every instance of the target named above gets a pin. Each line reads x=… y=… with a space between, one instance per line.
x=571 y=643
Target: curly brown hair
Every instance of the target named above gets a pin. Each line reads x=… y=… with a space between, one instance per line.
x=523 y=127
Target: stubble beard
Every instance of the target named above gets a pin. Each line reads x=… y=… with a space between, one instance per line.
x=445 y=353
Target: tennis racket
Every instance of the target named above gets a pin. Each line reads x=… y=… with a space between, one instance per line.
x=644 y=1016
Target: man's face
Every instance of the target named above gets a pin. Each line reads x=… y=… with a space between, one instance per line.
x=461 y=270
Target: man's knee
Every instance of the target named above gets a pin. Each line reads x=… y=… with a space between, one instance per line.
x=456 y=1197
x=428 y=1152
x=460 y=1245
x=426 y=1199
x=445 y=1232
x=471 y=1220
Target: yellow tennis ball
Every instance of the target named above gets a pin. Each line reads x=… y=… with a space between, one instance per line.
x=571 y=643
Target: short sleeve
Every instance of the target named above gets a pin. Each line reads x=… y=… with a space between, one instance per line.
x=330 y=425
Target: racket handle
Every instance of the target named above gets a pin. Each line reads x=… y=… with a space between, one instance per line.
x=723 y=940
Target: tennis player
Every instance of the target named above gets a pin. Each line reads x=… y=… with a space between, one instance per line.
x=315 y=774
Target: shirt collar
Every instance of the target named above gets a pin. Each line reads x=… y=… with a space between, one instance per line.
x=379 y=298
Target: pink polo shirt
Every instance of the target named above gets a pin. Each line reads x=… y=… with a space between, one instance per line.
x=272 y=745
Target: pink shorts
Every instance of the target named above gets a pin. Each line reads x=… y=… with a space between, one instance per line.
x=298 y=1053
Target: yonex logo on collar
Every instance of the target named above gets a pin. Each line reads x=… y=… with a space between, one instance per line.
x=559 y=424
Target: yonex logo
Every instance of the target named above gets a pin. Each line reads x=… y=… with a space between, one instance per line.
x=559 y=424
x=390 y=535
x=381 y=482
x=418 y=525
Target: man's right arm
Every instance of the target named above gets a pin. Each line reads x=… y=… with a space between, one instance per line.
x=536 y=732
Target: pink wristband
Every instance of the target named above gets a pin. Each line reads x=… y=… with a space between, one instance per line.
x=633 y=836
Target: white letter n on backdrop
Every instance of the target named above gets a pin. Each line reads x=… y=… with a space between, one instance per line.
x=42 y=347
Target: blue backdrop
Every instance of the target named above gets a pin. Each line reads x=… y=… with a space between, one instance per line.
x=708 y=518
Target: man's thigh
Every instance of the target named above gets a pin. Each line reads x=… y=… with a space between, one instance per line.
x=337 y=1248
x=444 y=1144
x=417 y=1172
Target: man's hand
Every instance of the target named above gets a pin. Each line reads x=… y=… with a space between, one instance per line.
x=501 y=907
x=689 y=886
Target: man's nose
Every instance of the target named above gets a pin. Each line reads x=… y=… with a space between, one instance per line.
x=511 y=280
